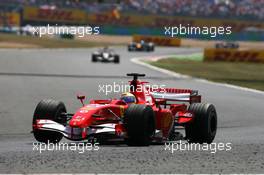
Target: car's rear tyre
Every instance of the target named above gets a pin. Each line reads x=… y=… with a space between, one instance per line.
x=116 y=59
x=140 y=124
x=204 y=126
x=52 y=110
x=148 y=49
x=94 y=58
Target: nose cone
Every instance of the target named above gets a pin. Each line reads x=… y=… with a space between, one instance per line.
x=81 y=119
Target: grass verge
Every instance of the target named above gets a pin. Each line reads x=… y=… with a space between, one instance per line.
x=45 y=42
x=191 y=57
x=249 y=75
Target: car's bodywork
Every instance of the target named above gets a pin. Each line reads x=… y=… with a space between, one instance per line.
x=141 y=46
x=110 y=118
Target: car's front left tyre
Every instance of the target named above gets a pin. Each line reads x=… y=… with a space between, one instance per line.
x=204 y=126
x=51 y=110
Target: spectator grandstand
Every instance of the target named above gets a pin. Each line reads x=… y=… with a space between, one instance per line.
x=238 y=9
x=245 y=9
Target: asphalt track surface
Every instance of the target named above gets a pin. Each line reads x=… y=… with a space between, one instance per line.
x=27 y=76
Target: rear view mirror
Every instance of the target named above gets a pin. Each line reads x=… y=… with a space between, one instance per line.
x=81 y=98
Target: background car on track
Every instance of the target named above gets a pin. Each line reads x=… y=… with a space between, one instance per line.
x=227 y=45
x=141 y=46
x=105 y=55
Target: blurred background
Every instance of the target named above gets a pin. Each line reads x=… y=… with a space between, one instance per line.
x=148 y=17
x=31 y=73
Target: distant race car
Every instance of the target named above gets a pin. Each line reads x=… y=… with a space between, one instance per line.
x=105 y=55
x=139 y=117
x=141 y=46
x=227 y=45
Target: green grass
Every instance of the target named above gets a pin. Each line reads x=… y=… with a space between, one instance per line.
x=46 y=42
x=192 y=57
x=249 y=75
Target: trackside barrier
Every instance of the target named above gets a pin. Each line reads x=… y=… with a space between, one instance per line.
x=232 y=55
x=158 y=40
x=10 y=19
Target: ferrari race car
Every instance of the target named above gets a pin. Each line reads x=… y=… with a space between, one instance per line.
x=141 y=46
x=105 y=55
x=154 y=116
x=227 y=45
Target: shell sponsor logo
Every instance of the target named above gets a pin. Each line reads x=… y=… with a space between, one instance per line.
x=122 y=111
x=138 y=45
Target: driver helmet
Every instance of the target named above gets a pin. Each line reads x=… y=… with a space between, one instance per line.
x=128 y=97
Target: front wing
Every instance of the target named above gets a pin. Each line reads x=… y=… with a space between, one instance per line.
x=75 y=133
x=84 y=133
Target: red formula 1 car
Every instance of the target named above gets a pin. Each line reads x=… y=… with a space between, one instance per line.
x=155 y=116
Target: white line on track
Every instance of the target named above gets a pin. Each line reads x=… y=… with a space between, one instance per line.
x=139 y=60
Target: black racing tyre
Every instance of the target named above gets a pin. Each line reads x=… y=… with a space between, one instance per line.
x=129 y=49
x=148 y=48
x=52 y=110
x=235 y=46
x=94 y=58
x=204 y=126
x=140 y=124
x=116 y=59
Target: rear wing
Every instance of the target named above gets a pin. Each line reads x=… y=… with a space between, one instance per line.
x=173 y=94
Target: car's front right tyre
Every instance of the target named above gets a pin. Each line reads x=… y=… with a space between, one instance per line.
x=51 y=110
